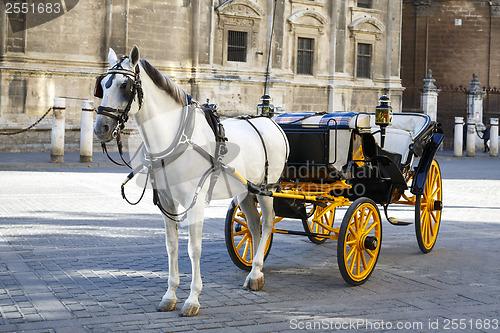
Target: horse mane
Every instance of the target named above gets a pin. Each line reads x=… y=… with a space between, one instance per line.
x=164 y=83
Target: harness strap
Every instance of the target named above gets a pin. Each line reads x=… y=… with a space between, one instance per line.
x=266 y=163
x=175 y=216
x=180 y=142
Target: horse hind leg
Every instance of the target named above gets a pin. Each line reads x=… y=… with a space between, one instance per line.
x=255 y=279
x=169 y=300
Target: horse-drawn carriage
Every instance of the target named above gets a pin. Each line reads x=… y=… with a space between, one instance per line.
x=344 y=159
x=336 y=160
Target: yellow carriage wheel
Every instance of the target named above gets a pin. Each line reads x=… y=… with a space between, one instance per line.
x=360 y=238
x=325 y=215
x=239 y=242
x=428 y=210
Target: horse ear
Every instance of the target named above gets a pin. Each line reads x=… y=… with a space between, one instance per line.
x=134 y=56
x=112 y=58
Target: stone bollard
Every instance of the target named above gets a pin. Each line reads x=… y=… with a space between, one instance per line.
x=494 y=137
x=471 y=137
x=57 y=135
x=86 y=134
x=459 y=136
x=429 y=97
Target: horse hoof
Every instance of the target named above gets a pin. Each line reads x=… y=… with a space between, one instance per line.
x=254 y=284
x=168 y=305
x=190 y=310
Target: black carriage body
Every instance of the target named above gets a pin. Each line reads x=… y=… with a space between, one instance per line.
x=341 y=146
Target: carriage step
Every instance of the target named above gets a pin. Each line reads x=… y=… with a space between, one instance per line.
x=395 y=221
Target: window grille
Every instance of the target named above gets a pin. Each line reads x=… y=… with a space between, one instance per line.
x=237 y=45
x=305 y=56
x=365 y=3
x=364 y=60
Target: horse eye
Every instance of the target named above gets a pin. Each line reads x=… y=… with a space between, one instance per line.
x=123 y=85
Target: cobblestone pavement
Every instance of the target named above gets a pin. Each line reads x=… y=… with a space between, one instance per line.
x=74 y=257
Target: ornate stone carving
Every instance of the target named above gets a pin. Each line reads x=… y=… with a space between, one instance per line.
x=429 y=82
x=422 y=7
x=241 y=8
x=308 y=18
x=367 y=25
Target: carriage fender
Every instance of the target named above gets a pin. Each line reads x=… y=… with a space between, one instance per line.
x=425 y=162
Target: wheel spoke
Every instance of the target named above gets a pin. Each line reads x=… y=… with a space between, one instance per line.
x=367 y=219
x=423 y=225
x=251 y=251
x=353 y=261
x=428 y=231
x=356 y=221
x=361 y=219
x=370 y=253
x=434 y=177
x=434 y=216
x=373 y=225
x=241 y=221
x=351 y=243
x=423 y=212
x=351 y=251
x=245 y=251
x=436 y=192
x=358 y=262
x=363 y=260
x=435 y=228
x=242 y=232
x=352 y=231
x=242 y=241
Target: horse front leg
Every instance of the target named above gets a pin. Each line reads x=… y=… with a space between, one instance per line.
x=169 y=300
x=255 y=279
x=195 y=228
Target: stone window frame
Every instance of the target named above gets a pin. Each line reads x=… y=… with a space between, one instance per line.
x=300 y=30
x=366 y=30
x=231 y=20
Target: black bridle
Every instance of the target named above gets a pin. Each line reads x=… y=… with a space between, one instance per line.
x=133 y=88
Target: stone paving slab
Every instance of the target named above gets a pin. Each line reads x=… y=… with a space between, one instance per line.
x=74 y=257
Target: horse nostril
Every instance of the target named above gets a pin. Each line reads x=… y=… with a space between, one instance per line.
x=105 y=128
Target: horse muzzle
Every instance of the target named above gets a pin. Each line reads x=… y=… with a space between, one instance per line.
x=104 y=128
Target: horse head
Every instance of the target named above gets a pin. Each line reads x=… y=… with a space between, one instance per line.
x=121 y=93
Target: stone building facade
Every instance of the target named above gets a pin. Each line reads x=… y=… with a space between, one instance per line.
x=455 y=39
x=325 y=55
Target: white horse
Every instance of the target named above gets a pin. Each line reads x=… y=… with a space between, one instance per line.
x=180 y=142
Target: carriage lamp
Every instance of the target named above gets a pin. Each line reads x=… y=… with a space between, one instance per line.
x=383 y=116
x=265 y=108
